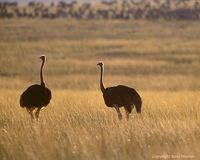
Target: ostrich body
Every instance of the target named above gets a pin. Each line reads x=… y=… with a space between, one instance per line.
x=36 y=96
x=120 y=96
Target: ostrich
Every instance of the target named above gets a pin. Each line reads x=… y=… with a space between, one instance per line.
x=36 y=96
x=119 y=96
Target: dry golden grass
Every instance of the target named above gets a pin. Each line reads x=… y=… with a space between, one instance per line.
x=77 y=125
x=160 y=59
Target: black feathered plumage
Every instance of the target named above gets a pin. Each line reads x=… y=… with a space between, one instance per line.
x=35 y=96
x=120 y=96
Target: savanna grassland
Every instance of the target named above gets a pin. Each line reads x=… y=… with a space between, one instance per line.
x=160 y=59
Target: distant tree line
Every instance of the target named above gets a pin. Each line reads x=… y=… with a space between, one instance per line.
x=125 y=9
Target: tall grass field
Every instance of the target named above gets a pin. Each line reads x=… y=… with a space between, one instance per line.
x=160 y=59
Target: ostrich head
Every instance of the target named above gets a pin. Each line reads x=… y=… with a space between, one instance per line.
x=43 y=57
x=100 y=64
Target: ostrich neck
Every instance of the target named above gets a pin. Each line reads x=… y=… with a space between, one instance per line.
x=101 y=80
x=41 y=73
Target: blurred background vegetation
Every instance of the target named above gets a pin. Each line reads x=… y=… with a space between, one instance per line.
x=148 y=55
x=151 y=44
x=105 y=9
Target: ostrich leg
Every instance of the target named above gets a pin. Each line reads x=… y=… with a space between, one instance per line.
x=118 y=112
x=127 y=113
x=37 y=113
x=30 y=111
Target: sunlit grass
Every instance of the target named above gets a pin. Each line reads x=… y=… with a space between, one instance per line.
x=77 y=125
